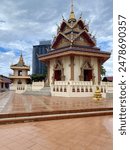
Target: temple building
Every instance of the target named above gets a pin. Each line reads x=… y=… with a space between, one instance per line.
x=74 y=55
x=20 y=72
x=4 y=83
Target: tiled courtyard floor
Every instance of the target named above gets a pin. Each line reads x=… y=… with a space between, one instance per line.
x=15 y=103
x=92 y=133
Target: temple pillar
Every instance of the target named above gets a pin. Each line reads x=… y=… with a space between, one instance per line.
x=99 y=71
x=48 y=73
x=72 y=67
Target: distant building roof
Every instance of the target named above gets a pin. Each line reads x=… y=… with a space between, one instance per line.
x=4 y=79
x=45 y=42
x=108 y=79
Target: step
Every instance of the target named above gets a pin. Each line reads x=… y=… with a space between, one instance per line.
x=25 y=114
x=54 y=116
x=37 y=93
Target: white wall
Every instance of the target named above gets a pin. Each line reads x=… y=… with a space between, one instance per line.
x=52 y=63
x=78 y=61
x=94 y=63
x=67 y=69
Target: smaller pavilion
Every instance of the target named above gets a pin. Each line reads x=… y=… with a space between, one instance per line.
x=20 y=72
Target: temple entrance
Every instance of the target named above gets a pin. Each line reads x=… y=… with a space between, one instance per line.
x=87 y=75
x=57 y=75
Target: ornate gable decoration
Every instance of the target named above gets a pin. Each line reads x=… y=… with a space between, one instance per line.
x=73 y=33
x=86 y=65
x=58 y=65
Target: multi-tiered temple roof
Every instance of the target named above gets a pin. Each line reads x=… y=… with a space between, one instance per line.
x=73 y=38
x=20 y=64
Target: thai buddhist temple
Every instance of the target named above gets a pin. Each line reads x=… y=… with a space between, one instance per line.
x=20 y=72
x=74 y=55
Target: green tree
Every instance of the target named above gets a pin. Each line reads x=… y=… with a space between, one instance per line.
x=38 y=77
x=103 y=71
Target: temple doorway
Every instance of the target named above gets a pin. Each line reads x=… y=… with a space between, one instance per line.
x=57 y=75
x=87 y=75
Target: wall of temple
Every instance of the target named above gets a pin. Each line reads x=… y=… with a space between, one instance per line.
x=79 y=62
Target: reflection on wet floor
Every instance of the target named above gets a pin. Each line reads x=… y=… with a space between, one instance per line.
x=108 y=123
x=70 y=134
x=13 y=103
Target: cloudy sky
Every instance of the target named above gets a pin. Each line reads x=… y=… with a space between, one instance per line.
x=25 y=23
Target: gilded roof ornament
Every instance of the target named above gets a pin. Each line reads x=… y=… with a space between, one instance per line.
x=21 y=61
x=72 y=15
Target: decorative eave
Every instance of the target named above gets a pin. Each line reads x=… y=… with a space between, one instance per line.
x=73 y=51
x=19 y=77
x=13 y=67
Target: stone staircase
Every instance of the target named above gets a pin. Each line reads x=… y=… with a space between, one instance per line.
x=46 y=91
x=54 y=115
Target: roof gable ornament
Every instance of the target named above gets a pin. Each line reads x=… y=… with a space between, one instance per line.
x=72 y=15
x=21 y=61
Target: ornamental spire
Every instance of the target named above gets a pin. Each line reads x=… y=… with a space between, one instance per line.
x=21 y=61
x=72 y=15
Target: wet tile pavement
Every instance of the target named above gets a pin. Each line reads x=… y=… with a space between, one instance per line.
x=28 y=103
x=92 y=133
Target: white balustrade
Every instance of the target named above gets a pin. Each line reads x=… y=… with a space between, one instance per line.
x=106 y=83
x=20 y=88
x=37 y=85
x=78 y=88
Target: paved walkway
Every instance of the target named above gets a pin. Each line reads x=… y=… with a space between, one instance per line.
x=29 y=103
x=92 y=133
x=5 y=98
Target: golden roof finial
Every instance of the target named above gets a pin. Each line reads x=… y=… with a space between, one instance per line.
x=21 y=61
x=72 y=6
x=72 y=15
